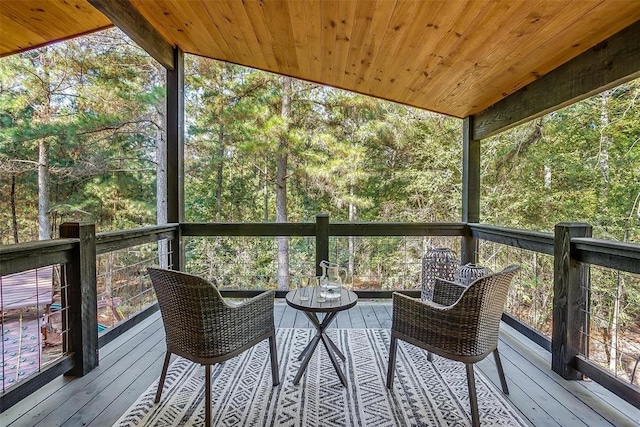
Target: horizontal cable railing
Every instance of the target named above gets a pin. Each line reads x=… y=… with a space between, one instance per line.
x=34 y=330
x=51 y=307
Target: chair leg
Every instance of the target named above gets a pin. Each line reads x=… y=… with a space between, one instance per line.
x=165 y=367
x=473 y=397
x=429 y=356
x=392 y=361
x=503 y=380
x=207 y=397
x=274 y=360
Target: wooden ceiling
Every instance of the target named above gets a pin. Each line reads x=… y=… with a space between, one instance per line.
x=456 y=57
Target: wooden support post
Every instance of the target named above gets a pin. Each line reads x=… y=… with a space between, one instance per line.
x=570 y=301
x=470 y=188
x=175 y=152
x=322 y=240
x=81 y=298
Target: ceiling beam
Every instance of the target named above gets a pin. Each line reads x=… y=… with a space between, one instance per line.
x=132 y=23
x=606 y=65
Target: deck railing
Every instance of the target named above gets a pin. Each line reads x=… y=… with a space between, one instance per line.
x=75 y=255
x=571 y=246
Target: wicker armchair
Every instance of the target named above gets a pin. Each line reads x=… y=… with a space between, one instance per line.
x=461 y=324
x=201 y=327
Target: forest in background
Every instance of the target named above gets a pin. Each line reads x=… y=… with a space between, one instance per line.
x=81 y=126
x=86 y=117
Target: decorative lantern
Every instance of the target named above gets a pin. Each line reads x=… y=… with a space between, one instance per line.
x=438 y=262
x=466 y=274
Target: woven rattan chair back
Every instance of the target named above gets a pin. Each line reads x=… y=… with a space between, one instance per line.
x=480 y=307
x=460 y=324
x=202 y=327
x=191 y=309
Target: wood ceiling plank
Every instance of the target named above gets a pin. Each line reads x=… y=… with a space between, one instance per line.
x=180 y=27
x=228 y=29
x=246 y=33
x=207 y=32
x=443 y=31
x=344 y=27
x=284 y=49
x=27 y=24
x=307 y=32
x=272 y=33
x=418 y=42
x=336 y=25
x=520 y=44
x=359 y=33
x=608 y=64
x=394 y=36
x=261 y=31
x=472 y=59
x=16 y=36
x=329 y=16
x=380 y=17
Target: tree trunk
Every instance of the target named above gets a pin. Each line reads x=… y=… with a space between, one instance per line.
x=44 y=229
x=603 y=161
x=605 y=141
x=220 y=169
x=161 y=178
x=265 y=191
x=281 y=185
x=14 y=216
x=613 y=359
x=352 y=239
x=161 y=170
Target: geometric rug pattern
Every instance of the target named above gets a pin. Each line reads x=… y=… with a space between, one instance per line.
x=424 y=393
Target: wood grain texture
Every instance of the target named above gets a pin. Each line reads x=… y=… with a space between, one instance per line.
x=456 y=57
x=129 y=20
x=80 y=277
x=606 y=65
x=570 y=290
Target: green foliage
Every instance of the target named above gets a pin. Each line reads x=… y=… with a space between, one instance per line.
x=92 y=101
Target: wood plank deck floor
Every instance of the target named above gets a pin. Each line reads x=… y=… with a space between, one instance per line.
x=130 y=364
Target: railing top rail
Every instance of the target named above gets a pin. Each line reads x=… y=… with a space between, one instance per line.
x=25 y=256
x=397 y=229
x=623 y=256
x=31 y=248
x=248 y=229
x=529 y=240
x=113 y=240
x=269 y=229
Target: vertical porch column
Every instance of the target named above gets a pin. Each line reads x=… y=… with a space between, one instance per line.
x=470 y=188
x=322 y=240
x=81 y=299
x=175 y=152
x=570 y=301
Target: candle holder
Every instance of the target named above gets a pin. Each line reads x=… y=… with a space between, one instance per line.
x=440 y=263
x=466 y=274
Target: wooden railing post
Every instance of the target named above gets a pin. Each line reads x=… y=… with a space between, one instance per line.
x=470 y=188
x=81 y=297
x=570 y=301
x=322 y=240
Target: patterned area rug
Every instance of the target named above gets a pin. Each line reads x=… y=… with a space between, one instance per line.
x=424 y=393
